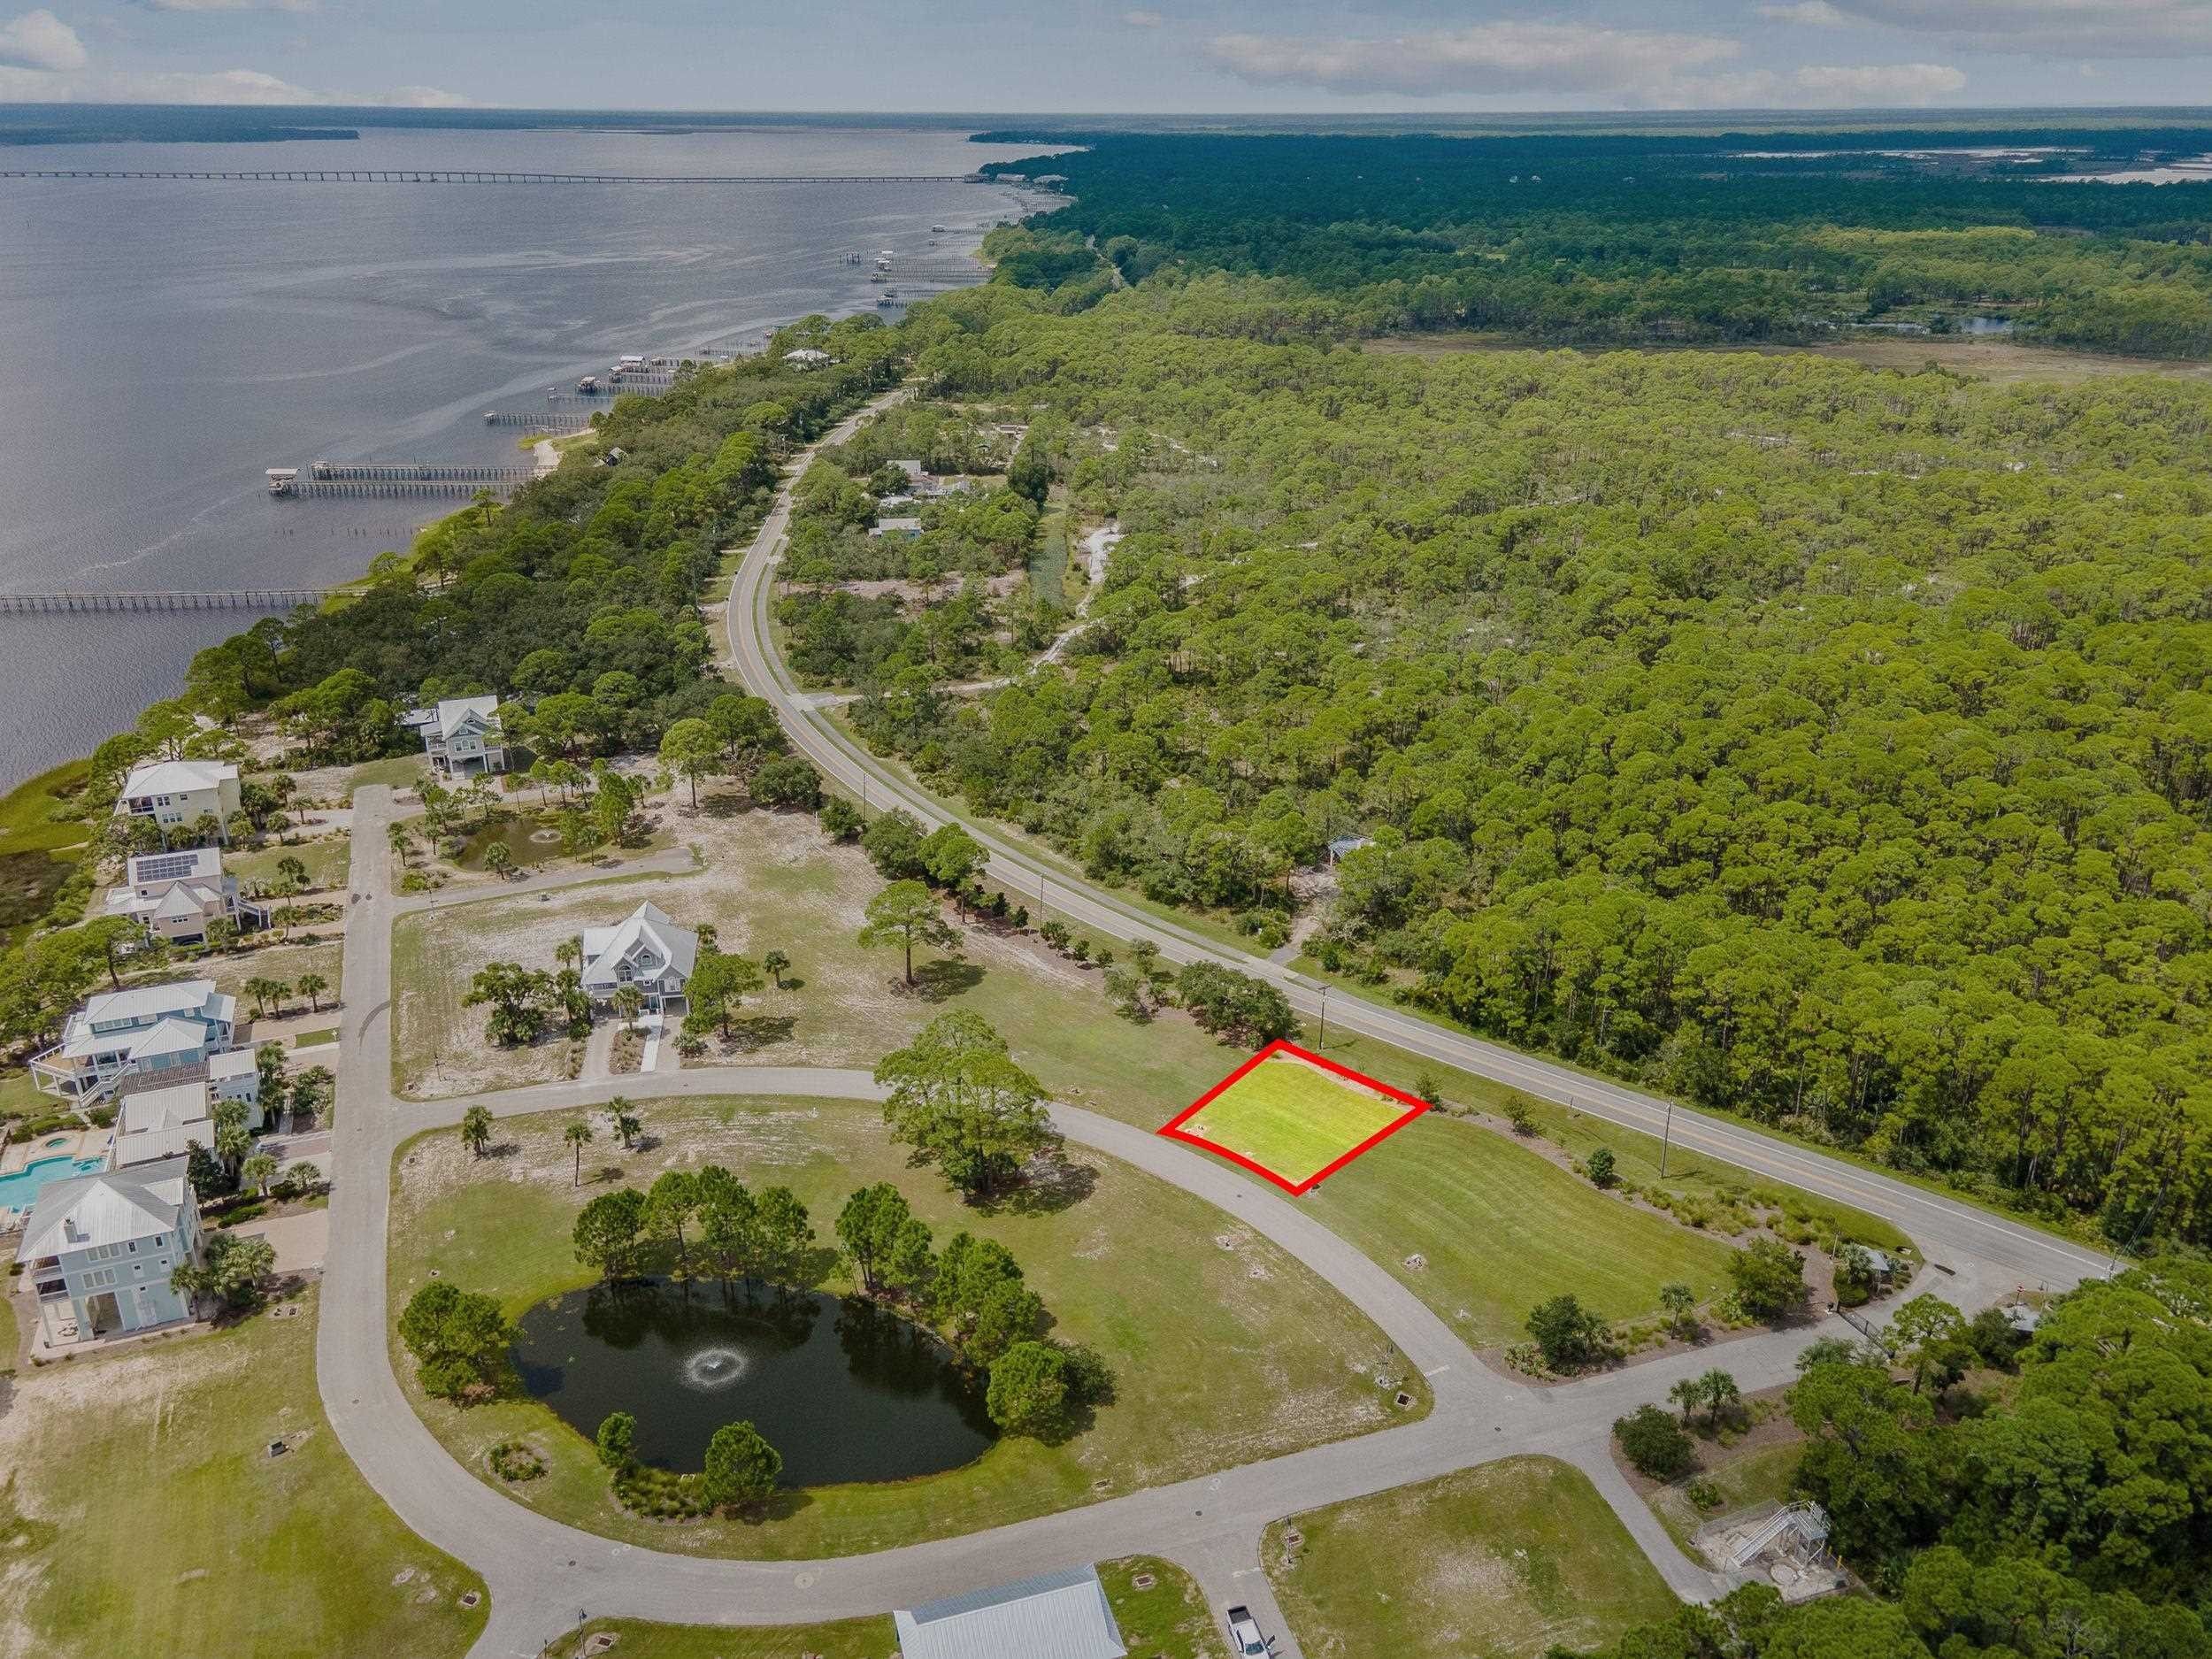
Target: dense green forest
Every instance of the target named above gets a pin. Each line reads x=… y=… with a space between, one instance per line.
x=1825 y=745
x=1630 y=237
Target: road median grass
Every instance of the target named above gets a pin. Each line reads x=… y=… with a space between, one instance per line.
x=1513 y=1559
x=144 y=1514
x=1225 y=1350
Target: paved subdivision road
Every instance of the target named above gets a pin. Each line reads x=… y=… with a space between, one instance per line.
x=545 y=1577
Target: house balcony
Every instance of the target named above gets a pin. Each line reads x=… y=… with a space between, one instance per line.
x=73 y=1078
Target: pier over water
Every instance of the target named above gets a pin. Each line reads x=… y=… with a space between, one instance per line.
x=102 y=604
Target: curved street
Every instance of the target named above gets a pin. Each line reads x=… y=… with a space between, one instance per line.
x=545 y=1577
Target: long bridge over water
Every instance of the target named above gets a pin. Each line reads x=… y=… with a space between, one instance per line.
x=453 y=175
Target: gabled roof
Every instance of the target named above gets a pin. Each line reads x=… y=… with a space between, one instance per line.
x=178 y=777
x=606 y=947
x=170 y=1036
x=450 y=714
x=185 y=899
x=111 y=1207
x=232 y=1062
x=147 y=1003
x=153 y=1108
x=1052 y=1615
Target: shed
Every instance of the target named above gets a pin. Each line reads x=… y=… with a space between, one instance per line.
x=1052 y=1615
x=1348 y=844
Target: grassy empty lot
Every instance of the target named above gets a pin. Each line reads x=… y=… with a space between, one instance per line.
x=145 y=1515
x=1292 y=1117
x=326 y=860
x=1169 y=1621
x=401 y=771
x=1249 y=1356
x=774 y=881
x=1509 y=1559
x=1503 y=1230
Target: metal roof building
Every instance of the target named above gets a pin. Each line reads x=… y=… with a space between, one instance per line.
x=1052 y=1615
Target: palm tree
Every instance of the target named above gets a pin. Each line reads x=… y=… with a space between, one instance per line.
x=279 y=990
x=498 y=859
x=568 y=953
x=1688 y=1393
x=257 y=1172
x=261 y=988
x=578 y=1134
x=625 y=1123
x=629 y=1003
x=231 y=1143
x=401 y=839
x=476 y=1129
x=312 y=986
x=776 y=961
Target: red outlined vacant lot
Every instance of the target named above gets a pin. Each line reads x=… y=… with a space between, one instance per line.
x=1293 y=1116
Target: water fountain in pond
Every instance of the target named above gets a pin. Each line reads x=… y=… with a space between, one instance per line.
x=713 y=1368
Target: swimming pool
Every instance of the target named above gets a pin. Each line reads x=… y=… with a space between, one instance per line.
x=19 y=1190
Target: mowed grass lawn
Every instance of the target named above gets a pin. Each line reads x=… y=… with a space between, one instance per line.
x=326 y=861
x=1513 y=1558
x=1292 y=1117
x=1225 y=1350
x=1168 y=1621
x=1503 y=1229
x=145 y=1515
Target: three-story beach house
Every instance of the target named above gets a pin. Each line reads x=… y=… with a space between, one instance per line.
x=176 y=795
x=175 y=895
x=145 y=1031
x=98 y=1250
x=462 y=735
x=644 y=948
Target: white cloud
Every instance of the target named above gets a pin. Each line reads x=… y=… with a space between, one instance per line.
x=2097 y=28
x=1505 y=57
x=39 y=40
x=1142 y=19
x=223 y=86
x=1817 y=14
x=230 y=5
x=1881 y=84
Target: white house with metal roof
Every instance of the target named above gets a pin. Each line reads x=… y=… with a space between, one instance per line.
x=145 y=1030
x=162 y=1122
x=173 y=897
x=645 y=948
x=1052 y=1615
x=462 y=735
x=177 y=793
x=98 y=1250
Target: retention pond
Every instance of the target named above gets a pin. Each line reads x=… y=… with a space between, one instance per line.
x=845 y=1390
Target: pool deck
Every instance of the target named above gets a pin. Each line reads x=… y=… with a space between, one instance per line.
x=75 y=1143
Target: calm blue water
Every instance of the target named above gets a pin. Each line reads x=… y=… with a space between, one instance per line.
x=19 y=1190
x=165 y=342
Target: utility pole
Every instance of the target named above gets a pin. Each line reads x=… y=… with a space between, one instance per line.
x=1668 y=1142
x=1322 y=1041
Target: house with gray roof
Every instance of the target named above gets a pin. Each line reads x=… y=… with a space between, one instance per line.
x=1051 y=1616
x=462 y=735
x=145 y=1030
x=645 y=948
x=98 y=1250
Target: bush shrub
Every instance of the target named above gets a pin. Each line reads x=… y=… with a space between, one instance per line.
x=512 y=1460
x=1653 y=1442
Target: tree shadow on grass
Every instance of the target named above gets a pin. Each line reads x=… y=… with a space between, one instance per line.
x=725 y=805
x=755 y=1032
x=1048 y=1184
x=945 y=978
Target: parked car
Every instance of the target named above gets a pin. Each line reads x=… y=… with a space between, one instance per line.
x=1244 y=1633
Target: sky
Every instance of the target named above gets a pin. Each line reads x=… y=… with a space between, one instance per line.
x=1092 y=57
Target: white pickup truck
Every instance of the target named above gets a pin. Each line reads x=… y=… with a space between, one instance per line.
x=1244 y=1639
